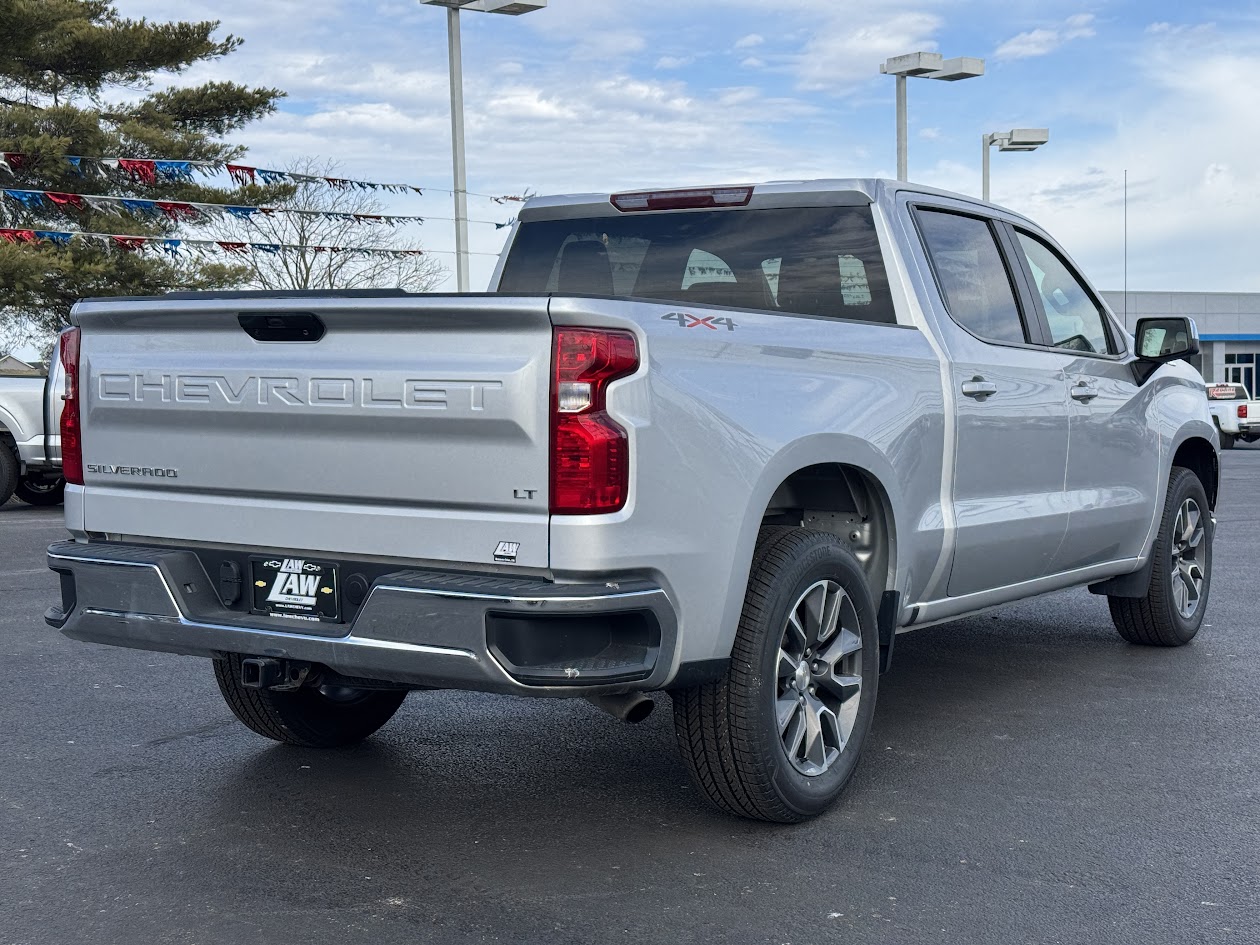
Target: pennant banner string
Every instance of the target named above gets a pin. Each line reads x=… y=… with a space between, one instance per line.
x=153 y=171
x=131 y=243
x=186 y=212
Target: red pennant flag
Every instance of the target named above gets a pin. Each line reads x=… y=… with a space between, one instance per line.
x=144 y=172
x=339 y=182
x=19 y=236
x=129 y=243
x=368 y=218
x=16 y=161
x=241 y=173
x=177 y=211
x=231 y=247
x=65 y=200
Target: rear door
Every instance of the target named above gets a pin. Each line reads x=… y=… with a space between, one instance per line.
x=1012 y=423
x=1113 y=455
x=410 y=427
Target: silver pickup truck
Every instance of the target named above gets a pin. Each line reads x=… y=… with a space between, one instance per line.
x=30 y=441
x=724 y=443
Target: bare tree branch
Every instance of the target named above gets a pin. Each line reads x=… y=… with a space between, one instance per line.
x=306 y=269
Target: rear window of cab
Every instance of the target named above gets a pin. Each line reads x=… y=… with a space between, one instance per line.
x=1226 y=392
x=821 y=261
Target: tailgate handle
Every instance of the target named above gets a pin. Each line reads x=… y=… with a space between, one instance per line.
x=282 y=326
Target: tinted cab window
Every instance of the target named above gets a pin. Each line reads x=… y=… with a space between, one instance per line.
x=1074 y=317
x=823 y=261
x=972 y=277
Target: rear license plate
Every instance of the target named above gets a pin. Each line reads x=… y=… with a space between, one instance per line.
x=297 y=588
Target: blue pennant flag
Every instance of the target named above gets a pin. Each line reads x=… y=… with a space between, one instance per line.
x=272 y=177
x=265 y=247
x=53 y=236
x=243 y=212
x=173 y=170
x=30 y=199
x=142 y=207
x=74 y=163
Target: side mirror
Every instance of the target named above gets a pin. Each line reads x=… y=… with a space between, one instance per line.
x=1160 y=340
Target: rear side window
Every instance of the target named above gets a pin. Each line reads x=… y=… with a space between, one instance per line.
x=810 y=261
x=973 y=279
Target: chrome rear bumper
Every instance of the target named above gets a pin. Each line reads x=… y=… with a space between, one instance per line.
x=421 y=628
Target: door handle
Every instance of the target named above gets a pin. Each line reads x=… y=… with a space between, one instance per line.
x=1083 y=392
x=978 y=388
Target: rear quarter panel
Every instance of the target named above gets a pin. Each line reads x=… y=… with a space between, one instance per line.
x=719 y=418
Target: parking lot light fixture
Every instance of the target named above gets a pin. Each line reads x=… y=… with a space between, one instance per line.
x=1017 y=139
x=453 y=8
x=923 y=65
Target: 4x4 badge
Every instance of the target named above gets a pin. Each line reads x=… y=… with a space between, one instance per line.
x=506 y=552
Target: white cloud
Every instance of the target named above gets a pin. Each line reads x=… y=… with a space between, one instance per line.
x=749 y=41
x=847 y=48
x=674 y=62
x=1040 y=42
x=752 y=62
x=930 y=134
x=1193 y=181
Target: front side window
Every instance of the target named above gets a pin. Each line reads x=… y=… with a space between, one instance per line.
x=1076 y=320
x=973 y=279
x=810 y=261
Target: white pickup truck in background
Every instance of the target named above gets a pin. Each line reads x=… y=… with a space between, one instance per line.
x=1236 y=415
x=30 y=441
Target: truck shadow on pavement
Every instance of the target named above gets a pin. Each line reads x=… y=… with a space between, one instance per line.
x=461 y=769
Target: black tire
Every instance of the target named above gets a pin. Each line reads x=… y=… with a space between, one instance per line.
x=1157 y=619
x=10 y=469
x=307 y=716
x=36 y=491
x=728 y=731
x=1227 y=440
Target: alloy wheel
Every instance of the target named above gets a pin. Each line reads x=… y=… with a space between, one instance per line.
x=1187 y=566
x=819 y=685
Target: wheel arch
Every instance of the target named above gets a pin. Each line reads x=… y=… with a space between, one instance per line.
x=1197 y=454
x=804 y=469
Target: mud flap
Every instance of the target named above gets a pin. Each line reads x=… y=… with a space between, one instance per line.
x=889 y=608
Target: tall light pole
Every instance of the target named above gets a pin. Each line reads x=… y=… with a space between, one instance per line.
x=455 y=54
x=923 y=65
x=1017 y=139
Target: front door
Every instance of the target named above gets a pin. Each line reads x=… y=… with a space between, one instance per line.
x=1011 y=431
x=1113 y=457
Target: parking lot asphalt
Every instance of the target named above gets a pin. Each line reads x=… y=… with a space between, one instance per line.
x=1030 y=779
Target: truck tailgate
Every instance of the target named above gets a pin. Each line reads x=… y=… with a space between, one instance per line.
x=413 y=428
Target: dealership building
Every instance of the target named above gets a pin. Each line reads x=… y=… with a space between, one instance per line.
x=1229 y=328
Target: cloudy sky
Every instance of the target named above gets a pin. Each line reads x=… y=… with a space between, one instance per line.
x=600 y=95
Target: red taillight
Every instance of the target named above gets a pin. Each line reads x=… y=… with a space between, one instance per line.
x=1242 y=411
x=695 y=199
x=590 y=454
x=71 y=440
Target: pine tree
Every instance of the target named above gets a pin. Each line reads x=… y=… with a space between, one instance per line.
x=78 y=79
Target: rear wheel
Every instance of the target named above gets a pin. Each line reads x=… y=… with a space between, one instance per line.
x=41 y=490
x=313 y=716
x=1227 y=440
x=778 y=737
x=1172 y=611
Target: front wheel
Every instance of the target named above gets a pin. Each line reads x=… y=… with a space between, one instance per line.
x=39 y=490
x=778 y=737
x=1172 y=611
x=313 y=716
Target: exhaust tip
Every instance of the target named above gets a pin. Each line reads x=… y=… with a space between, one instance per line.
x=631 y=707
